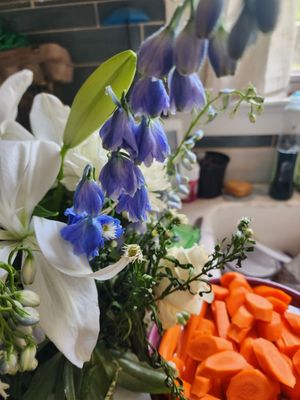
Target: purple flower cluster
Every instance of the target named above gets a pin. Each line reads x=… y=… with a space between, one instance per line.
x=87 y=229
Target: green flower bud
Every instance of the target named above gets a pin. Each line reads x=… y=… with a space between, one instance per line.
x=28 y=298
x=20 y=342
x=28 y=271
x=28 y=361
x=30 y=316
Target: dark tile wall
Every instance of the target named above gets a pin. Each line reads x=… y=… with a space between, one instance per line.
x=79 y=26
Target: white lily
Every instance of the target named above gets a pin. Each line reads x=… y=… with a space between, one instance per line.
x=11 y=91
x=48 y=118
x=69 y=312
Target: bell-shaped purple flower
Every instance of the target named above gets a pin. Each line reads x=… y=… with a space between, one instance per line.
x=207 y=16
x=137 y=206
x=221 y=62
x=155 y=57
x=149 y=97
x=85 y=236
x=267 y=13
x=189 y=51
x=152 y=142
x=119 y=132
x=88 y=196
x=120 y=176
x=186 y=92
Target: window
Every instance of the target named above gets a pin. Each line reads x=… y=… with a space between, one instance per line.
x=296 y=64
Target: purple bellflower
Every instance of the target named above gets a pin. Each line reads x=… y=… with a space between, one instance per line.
x=136 y=206
x=155 y=57
x=88 y=196
x=189 y=51
x=120 y=176
x=149 y=97
x=221 y=62
x=152 y=142
x=207 y=16
x=186 y=92
x=119 y=131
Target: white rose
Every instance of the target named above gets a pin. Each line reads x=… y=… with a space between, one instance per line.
x=183 y=301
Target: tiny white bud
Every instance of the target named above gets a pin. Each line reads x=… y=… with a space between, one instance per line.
x=12 y=363
x=28 y=361
x=30 y=316
x=20 y=342
x=28 y=271
x=28 y=298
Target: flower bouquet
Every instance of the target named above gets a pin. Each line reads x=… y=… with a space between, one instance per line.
x=89 y=220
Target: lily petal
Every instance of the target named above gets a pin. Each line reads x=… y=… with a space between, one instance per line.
x=48 y=117
x=11 y=92
x=59 y=253
x=12 y=130
x=69 y=311
x=27 y=171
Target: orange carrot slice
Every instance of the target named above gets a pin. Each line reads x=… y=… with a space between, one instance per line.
x=205 y=327
x=293 y=393
x=278 y=305
x=246 y=350
x=259 y=307
x=250 y=384
x=235 y=300
x=266 y=291
x=169 y=342
x=237 y=334
x=210 y=397
x=236 y=283
x=272 y=362
x=221 y=317
x=189 y=370
x=222 y=365
x=220 y=292
x=202 y=347
x=290 y=339
x=201 y=386
x=242 y=318
x=270 y=330
x=227 y=278
x=296 y=361
x=293 y=320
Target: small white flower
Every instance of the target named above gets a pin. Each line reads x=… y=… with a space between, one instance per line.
x=133 y=252
x=109 y=231
x=3 y=387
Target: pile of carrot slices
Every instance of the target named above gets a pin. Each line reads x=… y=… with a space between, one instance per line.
x=244 y=346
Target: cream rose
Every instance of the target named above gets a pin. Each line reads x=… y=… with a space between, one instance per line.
x=179 y=302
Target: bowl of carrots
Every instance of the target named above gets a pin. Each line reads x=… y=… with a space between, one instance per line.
x=243 y=346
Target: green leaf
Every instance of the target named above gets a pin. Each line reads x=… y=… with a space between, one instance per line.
x=186 y=236
x=40 y=211
x=44 y=380
x=91 y=106
x=69 y=384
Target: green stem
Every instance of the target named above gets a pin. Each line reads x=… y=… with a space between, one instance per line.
x=63 y=153
x=190 y=129
x=178 y=14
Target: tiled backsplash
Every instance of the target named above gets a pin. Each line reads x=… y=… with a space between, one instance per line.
x=80 y=27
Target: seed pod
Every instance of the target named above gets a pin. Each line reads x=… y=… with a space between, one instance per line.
x=267 y=13
x=207 y=16
x=241 y=33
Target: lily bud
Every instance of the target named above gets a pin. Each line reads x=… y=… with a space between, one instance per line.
x=189 y=51
x=207 y=16
x=155 y=57
x=28 y=361
x=12 y=363
x=28 y=298
x=28 y=271
x=241 y=33
x=191 y=156
x=221 y=62
x=30 y=316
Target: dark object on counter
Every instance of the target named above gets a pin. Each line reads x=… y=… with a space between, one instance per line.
x=212 y=171
x=282 y=186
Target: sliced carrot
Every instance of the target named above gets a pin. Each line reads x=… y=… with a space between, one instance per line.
x=270 y=330
x=221 y=317
x=222 y=365
x=240 y=282
x=210 y=397
x=259 y=307
x=293 y=320
x=169 y=342
x=266 y=291
x=237 y=334
x=278 y=305
x=189 y=370
x=217 y=389
x=250 y=384
x=242 y=318
x=227 y=278
x=289 y=361
x=201 y=386
x=205 y=327
x=202 y=346
x=272 y=362
x=296 y=361
x=246 y=350
x=235 y=300
x=186 y=336
x=220 y=292
x=290 y=339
